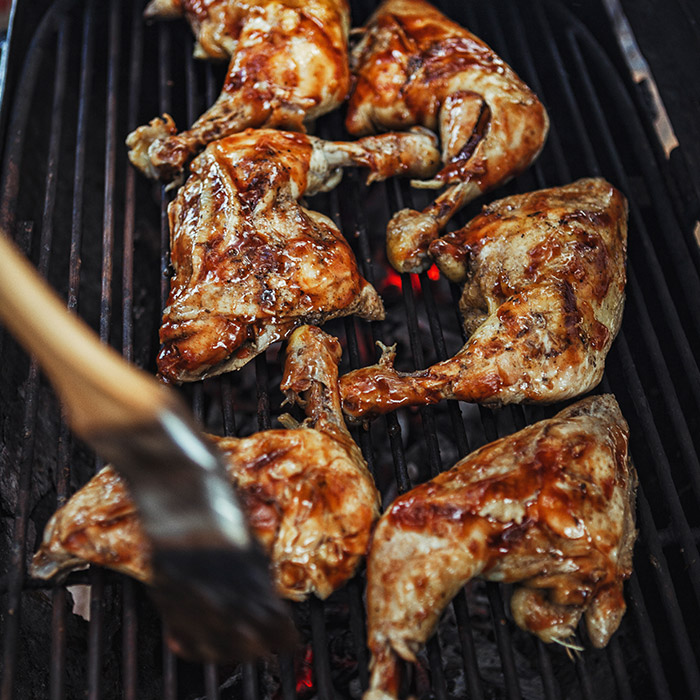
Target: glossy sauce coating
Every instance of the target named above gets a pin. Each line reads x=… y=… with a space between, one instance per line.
x=250 y=262
x=413 y=66
x=544 y=278
x=288 y=66
x=550 y=508
x=309 y=498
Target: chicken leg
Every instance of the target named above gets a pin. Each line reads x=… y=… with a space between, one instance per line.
x=414 y=66
x=543 y=301
x=550 y=508
x=250 y=262
x=309 y=497
x=288 y=67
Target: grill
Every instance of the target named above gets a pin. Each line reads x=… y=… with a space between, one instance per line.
x=86 y=74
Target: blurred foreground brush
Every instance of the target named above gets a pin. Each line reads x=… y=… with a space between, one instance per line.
x=211 y=580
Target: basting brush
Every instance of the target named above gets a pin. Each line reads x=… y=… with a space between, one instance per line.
x=211 y=579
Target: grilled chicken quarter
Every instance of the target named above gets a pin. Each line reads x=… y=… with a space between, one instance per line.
x=309 y=497
x=250 y=262
x=415 y=66
x=544 y=280
x=550 y=509
x=288 y=66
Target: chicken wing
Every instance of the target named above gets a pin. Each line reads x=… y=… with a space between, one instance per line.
x=543 y=301
x=288 y=66
x=415 y=66
x=309 y=497
x=550 y=508
x=250 y=262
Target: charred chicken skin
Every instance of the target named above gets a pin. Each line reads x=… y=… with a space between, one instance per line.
x=415 y=66
x=310 y=500
x=550 y=508
x=250 y=262
x=288 y=66
x=544 y=276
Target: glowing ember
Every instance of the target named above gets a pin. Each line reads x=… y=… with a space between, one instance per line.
x=305 y=674
x=394 y=279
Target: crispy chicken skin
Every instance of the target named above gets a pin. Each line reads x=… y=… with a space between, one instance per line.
x=288 y=66
x=415 y=66
x=544 y=277
x=250 y=262
x=550 y=508
x=309 y=497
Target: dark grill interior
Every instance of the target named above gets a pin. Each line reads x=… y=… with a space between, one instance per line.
x=98 y=231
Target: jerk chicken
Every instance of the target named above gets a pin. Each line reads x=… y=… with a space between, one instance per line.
x=310 y=500
x=544 y=276
x=288 y=66
x=415 y=66
x=550 y=508
x=250 y=262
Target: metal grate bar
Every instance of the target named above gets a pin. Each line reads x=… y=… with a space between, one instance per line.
x=669 y=398
x=618 y=666
x=211 y=682
x=584 y=678
x=58 y=596
x=169 y=674
x=164 y=105
x=469 y=651
x=287 y=679
x=550 y=686
x=129 y=593
x=662 y=465
x=96 y=634
x=503 y=639
x=110 y=170
x=358 y=629
x=98 y=600
x=323 y=678
x=667 y=594
x=647 y=640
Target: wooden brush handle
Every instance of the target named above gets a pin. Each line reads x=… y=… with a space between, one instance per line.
x=99 y=389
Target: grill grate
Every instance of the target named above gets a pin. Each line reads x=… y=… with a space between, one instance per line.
x=91 y=74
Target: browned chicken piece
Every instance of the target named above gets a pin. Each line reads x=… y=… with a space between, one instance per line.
x=216 y=24
x=415 y=66
x=250 y=262
x=544 y=277
x=288 y=66
x=309 y=497
x=550 y=508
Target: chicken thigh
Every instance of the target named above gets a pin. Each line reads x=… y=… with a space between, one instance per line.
x=415 y=66
x=288 y=66
x=250 y=262
x=544 y=277
x=309 y=497
x=550 y=508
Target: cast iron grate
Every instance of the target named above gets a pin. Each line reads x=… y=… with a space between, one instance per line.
x=98 y=231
